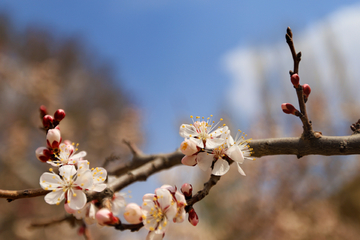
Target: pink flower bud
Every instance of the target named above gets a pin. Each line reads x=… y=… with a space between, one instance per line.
x=306 y=90
x=59 y=115
x=53 y=138
x=295 y=79
x=43 y=111
x=288 y=108
x=189 y=160
x=188 y=147
x=68 y=209
x=105 y=217
x=186 y=189
x=43 y=154
x=193 y=217
x=47 y=120
x=133 y=213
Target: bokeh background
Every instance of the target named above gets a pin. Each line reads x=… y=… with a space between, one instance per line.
x=137 y=69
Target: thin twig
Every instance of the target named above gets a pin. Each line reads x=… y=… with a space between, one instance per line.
x=132 y=227
x=202 y=193
x=308 y=131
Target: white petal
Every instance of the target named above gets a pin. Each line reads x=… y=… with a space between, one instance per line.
x=198 y=142
x=99 y=187
x=118 y=203
x=240 y=169
x=235 y=154
x=99 y=175
x=220 y=167
x=164 y=197
x=77 y=199
x=90 y=216
x=54 y=197
x=204 y=160
x=78 y=155
x=187 y=130
x=85 y=180
x=67 y=171
x=214 y=143
x=50 y=181
x=82 y=165
x=154 y=236
x=189 y=160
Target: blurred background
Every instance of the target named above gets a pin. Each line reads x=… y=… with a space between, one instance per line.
x=137 y=69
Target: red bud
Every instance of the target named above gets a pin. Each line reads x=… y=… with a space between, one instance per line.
x=47 y=120
x=295 y=79
x=306 y=90
x=288 y=108
x=59 y=115
x=43 y=111
x=193 y=217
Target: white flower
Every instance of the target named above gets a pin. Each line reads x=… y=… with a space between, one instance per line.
x=239 y=150
x=221 y=165
x=70 y=184
x=67 y=155
x=157 y=209
x=99 y=175
x=203 y=134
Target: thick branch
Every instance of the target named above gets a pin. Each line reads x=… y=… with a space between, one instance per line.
x=159 y=162
x=326 y=145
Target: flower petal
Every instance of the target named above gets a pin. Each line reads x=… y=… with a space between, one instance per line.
x=214 y=142
x=221 y=167
x=204 y=160
x=67 y=172
x=54 y=197
x=189 y=160
x=153 y=236
x=187 y=131
x=240 y=169
x=77 y=199
x=235 y=154
x=50 y=181
x=84 y=180
x=198 y=142
x=83 y=165
x=99 y=187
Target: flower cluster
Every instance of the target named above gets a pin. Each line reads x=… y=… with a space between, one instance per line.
x=209 y=145
x=166 y=204
x=73 y=177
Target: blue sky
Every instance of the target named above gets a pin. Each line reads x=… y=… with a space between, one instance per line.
x=168 y=54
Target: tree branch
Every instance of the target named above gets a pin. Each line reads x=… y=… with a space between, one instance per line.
x=159 y=162
x=202 y=193
x=325 y=145
x=11 y=195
